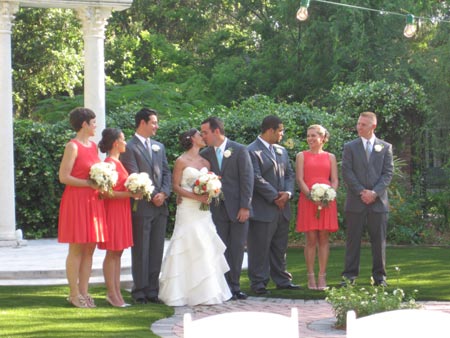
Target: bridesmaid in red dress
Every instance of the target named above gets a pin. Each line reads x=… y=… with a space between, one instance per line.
x=82 y=219
x=316 y=166
x=118 y=216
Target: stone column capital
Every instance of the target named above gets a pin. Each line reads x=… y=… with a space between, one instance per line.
x=7 y=11
x=94 y=20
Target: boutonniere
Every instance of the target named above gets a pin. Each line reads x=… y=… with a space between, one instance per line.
x=155 y=148
x=227 y=153
x=378 y=147
x=278 y=151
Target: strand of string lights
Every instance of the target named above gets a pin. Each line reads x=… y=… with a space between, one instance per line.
x=411 y=20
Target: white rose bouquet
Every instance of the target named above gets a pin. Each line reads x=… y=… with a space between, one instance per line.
x=208 y=183
x=140 y=183
x=104 y=175
x=322 y=193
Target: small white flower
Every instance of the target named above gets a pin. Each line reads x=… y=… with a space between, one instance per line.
x=378 y=147
x=227 y=153
x=155 y=148
x=279 y=151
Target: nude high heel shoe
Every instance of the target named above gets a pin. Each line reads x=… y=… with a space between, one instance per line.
x=311 y=281
x=78 y=301
x=322 y=282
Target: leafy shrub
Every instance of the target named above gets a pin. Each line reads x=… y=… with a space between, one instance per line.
x=38 y=150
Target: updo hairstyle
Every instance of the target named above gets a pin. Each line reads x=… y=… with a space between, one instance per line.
x=186 y=138
x=321 y=131
x=109 y=136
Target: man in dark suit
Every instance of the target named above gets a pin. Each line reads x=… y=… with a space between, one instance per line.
x=150 y=219
x=367 y=168
x=231 y=161
x=269 y=226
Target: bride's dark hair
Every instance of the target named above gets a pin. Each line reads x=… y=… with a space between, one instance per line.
x=186 y=138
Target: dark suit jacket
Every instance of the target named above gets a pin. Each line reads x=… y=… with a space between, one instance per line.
x=237 y=178
x=272 y=175
x=136 y=159
x=358 y=174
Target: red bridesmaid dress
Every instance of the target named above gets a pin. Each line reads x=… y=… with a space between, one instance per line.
x=316 y=169
x=82 y=216
x=118 y=214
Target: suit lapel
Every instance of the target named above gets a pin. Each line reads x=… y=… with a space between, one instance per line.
x=362 y=152
x=225 y=159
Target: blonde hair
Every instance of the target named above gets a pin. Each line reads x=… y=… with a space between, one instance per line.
x=321 y=131
x=369 y=115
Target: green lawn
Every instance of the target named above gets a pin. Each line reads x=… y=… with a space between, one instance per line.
x=41 y=311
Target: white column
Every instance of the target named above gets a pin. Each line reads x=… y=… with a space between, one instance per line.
x=7 y=195
x=94 y=20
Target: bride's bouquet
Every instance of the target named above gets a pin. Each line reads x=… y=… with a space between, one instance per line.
x=322 y=193
x=104 y=175
x=209 y=183
x=140 y=183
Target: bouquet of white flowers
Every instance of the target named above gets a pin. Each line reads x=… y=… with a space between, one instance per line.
x=322 y=193
x=140 y=183
x=104 y=175
x=208 y=183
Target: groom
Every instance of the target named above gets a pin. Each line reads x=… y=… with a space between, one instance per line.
x=149 y=220
x=231 y=161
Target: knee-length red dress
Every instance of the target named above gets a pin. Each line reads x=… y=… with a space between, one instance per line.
x=118 y=214
x=316 y=169
x=82 y=217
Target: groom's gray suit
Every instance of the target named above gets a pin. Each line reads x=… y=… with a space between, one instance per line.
x=149 y=221
x=359 y=174
x=269 y=226
x=237 y=187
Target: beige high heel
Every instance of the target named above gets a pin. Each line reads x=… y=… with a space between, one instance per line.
x=322 y=282
x=90 y=301
x=78 y=301
x=312 y=281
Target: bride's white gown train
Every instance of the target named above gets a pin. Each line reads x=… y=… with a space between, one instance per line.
x=193 y=269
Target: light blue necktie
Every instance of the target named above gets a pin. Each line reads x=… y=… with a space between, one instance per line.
x=219 y=157
x=368 y=150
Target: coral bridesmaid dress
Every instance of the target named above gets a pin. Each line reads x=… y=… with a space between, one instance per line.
x=316 y=169
x=82 y=216
x=118 y=214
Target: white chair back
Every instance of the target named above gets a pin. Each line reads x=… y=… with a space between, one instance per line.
x=410 y=323
x=242 y=325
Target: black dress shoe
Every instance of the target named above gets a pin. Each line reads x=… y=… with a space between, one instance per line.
x=348 y=281
x=261 y=291
x=155 y=300
x=382 y=283
x=140 y=301
x=239 y=295
x=289 y=287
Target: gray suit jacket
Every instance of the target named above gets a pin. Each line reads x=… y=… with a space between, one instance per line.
x=272 y=175
x=359 y=174
x=136 y=159
x=237 y=178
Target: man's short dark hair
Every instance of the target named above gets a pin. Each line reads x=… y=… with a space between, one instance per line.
x=144 y=114
x=215 y=123
x=270 y=122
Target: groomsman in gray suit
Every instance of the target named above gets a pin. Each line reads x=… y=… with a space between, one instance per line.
x=150 y=219
x=269 y=226
x=231 y=161
x=367 y=168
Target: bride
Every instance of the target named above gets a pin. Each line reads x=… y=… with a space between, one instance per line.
x=193 y=269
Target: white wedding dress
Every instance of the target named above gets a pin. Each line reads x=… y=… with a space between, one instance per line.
x=193 y=268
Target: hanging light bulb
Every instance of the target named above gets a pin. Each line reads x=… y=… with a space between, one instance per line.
x=410 y=28
x=302 y=13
